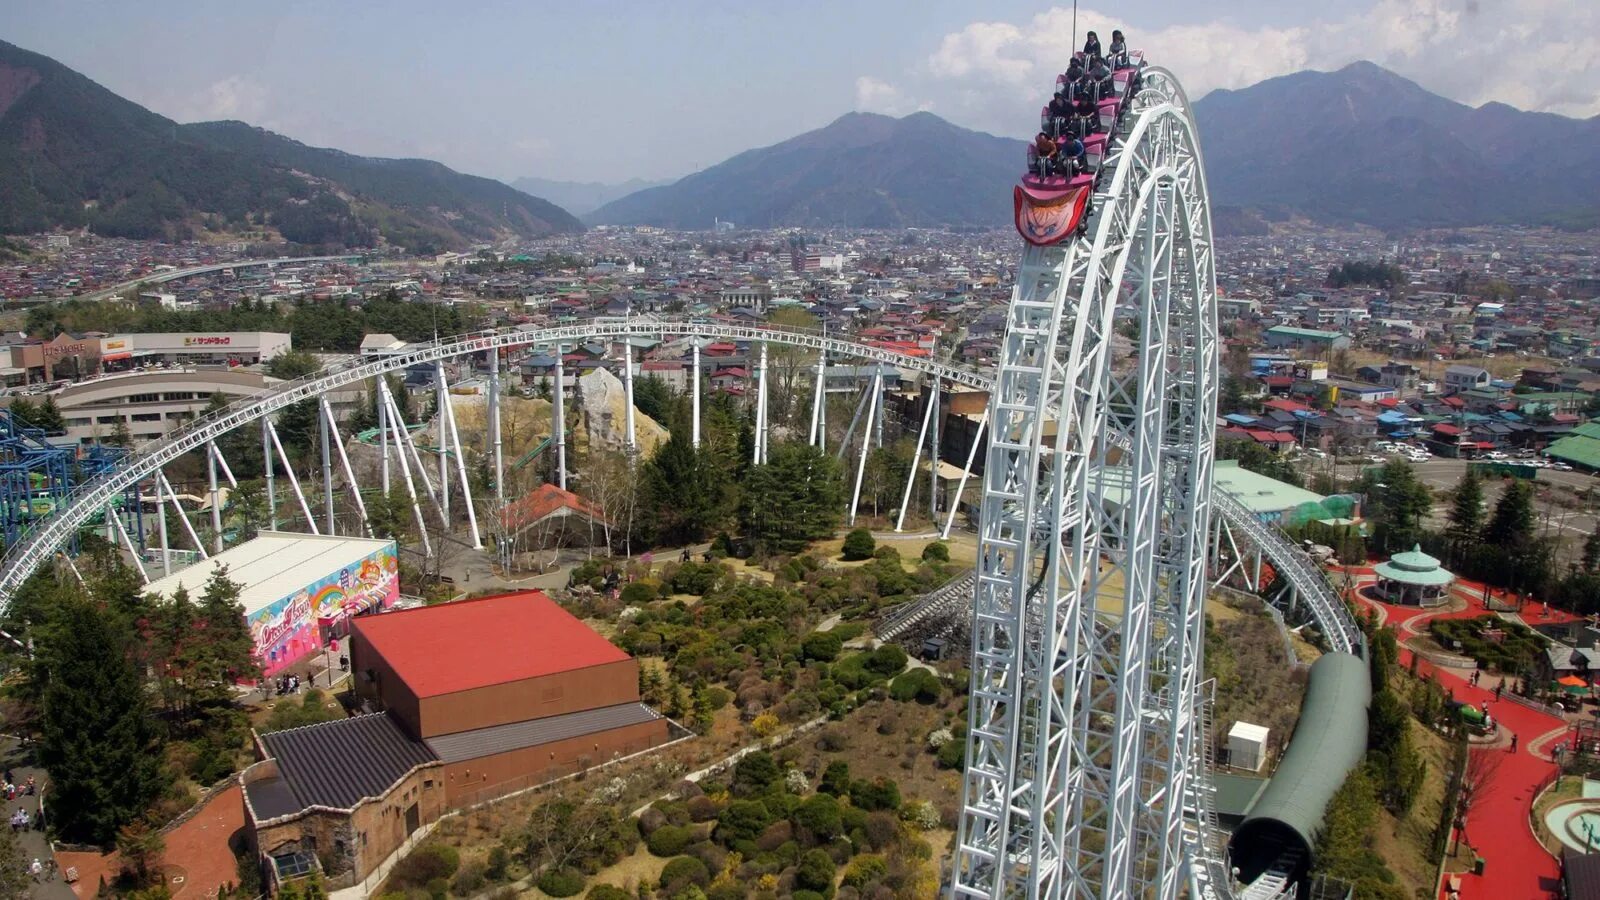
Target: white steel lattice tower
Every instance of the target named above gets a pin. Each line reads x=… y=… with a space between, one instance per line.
x=1084 y=774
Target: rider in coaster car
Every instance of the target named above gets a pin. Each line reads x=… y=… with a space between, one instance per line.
x=1061 y=110
x=1085 y=107
x=1119 y=50
x=1074 y=158
x=1091 y=47
x=1074 y=70
x=1100 y=74
x=1043 y=155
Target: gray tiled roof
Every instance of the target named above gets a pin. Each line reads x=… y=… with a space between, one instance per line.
x=337 y=764
x=479 y=742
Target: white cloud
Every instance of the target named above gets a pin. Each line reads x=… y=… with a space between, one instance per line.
x=1534 y=54
x=877 y=96
x=234 y=97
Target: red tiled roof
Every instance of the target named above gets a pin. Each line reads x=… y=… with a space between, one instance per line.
x=456 y=647
x=1285 y=405
x=1443 y=428
x=540 y=502
x=1453 y=401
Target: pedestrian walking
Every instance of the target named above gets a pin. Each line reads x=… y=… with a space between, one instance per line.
x=36 y=869
x=1498 y=690
x=1513 y=742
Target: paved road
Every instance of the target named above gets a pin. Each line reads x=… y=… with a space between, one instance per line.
x=34 y=844
x=162 y=277
x=1444 y=474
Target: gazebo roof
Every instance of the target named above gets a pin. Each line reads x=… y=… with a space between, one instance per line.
x=1414 y=567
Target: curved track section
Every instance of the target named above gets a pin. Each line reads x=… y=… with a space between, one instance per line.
x=22 y=559
x=1084 y=769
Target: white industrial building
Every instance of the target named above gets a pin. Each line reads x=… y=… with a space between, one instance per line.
x=242 y=348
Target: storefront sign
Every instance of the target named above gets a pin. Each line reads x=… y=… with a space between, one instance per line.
x=212 y=341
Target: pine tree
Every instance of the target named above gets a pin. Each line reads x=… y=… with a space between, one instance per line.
x=1512 y=522
x=95 y=733
x=229 y=647
x=792 y=500
x=1591 y=552
x=1466 y=514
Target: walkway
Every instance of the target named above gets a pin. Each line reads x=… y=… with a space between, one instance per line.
x=1516 y=865
x=19 y=761
x=198 y=860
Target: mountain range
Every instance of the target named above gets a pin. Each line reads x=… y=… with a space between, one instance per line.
x=1358 y=146
x=582 y=197
x=74 y=154
x=861 y=171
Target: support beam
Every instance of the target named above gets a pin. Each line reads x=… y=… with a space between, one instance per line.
x=404 y=445
x=494 y=430
x=294 y=480
x=916 y=457
x=966 y=472
x=383 y=429
x=325 y=421
x=216 y=496
x=349 y=473
x=855 y=419
x=133 y=551
x=227 y=470
x=461 y=462
x=182 y=518
x=558 y=420
x=866 y=447
x=161 y=522
x=630 y=436
x=266 y=466
x=883 y=412
x=819 y=405
x=439 y=400
x=694 y=395
x=933 y=451
x=396 y=427
x=760 y=452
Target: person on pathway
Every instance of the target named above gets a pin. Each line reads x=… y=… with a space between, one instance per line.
x=1498 y=690
x=1513 y=742
x=36 y=869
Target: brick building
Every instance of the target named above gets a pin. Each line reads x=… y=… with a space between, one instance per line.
x=471 y=701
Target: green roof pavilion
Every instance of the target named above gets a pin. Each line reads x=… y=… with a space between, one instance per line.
x=1414 y=578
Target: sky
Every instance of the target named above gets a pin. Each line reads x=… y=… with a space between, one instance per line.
x=604 y=90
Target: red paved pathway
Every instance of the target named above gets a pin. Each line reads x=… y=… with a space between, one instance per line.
x=198 y=851
x=1516 y=865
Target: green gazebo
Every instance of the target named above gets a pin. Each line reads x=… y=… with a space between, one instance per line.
x=1414 y=578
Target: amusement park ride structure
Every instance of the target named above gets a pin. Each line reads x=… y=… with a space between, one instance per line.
x=1086 y=759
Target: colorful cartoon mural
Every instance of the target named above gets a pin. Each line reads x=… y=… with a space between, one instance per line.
x=292 y=627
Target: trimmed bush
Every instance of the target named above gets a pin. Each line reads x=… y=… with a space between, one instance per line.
x=859 y=544
x=815 y=872
x=469 y=880
x=427 y=864
x=669 y=840
x=879 y=793
x=608 y=892
x=887 y=660
x=952 y=754
x=865 y=869
x=917 y=684
x=684 y=870
x=561 y=883
x=938 y=551
x=821 y=645
x=639 y=592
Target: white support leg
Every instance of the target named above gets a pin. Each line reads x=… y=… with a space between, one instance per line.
x=383 y=428
x=883 y=410
x=966 y=472
x=866 y=447
x=558 y=420
x=819 y=415
x=266 y=466
x=184 y=519
x=128 y=541
x=494 y=430
x=461 y=463
x=855 y=419
x=759 y=455
x=916 y=457
x=349 y=473
x=694 y=396
x=161 y=523
x=405 y=445
x=294 y=480
x=439 y=402
x=216 y=496
x=227 y=470
x=325 y=421
x=396 y=427
x=630 y=436
x=933 y=453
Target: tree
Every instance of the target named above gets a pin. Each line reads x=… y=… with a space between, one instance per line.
x=390 y=515
x=1591 y=552
x=1398 y=502
x=687 y=496
x=815 y=872
x=859 y=544
x=96 y=736
x=793 y=499
x=249 y=502
x=1258 y=459
x=1466 y=514
x=15 y=882
x=292 y=364
x=1512 y=522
